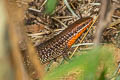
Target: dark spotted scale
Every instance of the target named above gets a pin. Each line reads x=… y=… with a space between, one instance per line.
x=60 y=44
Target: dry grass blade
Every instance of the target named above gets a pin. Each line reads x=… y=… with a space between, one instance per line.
x=115 y=23
x=59 y=22
x=43 y=4
x=83 y=37
x=70 y=9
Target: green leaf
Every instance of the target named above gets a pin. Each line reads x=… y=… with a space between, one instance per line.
x=102 y=76
x=85 y=66
x=50 y=6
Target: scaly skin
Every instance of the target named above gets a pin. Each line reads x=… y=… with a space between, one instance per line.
x=59 y=44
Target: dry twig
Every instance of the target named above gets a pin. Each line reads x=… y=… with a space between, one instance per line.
x=20 y=71
x=105 y=17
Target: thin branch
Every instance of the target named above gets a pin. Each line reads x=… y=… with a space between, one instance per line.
x=105 y=17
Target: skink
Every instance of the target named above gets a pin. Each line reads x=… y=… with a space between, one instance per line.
x=59 y=44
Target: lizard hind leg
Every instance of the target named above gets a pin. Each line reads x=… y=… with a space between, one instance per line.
x=49 y=65
x=66 y=57
x=65 y=54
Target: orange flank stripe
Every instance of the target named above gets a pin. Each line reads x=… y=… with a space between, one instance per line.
x=74 y=38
